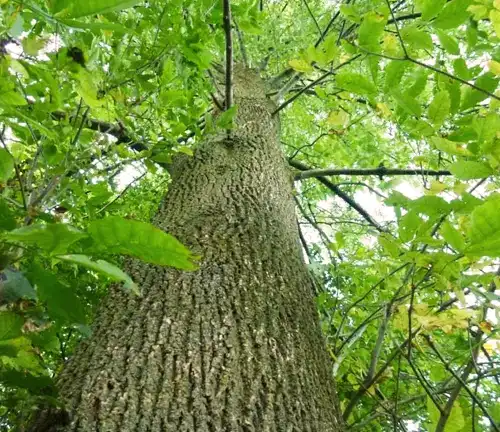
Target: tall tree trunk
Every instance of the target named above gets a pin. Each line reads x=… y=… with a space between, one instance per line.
x=233 y=346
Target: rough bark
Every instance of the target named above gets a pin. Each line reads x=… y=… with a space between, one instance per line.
x=233 y=346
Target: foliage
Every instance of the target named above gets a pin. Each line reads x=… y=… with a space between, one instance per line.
x=97 y=97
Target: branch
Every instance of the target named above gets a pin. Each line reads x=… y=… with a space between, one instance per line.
x=367 y=384
x=337 y=191
x=461 y=381
x=229 y=53
x=397 y=29
x=241 y=44
x=314 y=19
x=432 y=68
x=313 y=83
x=380 y=172
x=121 y=193
x=404 y=17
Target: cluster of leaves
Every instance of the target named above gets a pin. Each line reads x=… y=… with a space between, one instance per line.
x=65 y=214
x=92 y=93
x=410 y=310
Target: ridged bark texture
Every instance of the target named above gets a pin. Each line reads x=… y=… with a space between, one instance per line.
x=233 y=346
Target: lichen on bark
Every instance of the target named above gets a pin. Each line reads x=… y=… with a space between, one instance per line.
x=232 y=346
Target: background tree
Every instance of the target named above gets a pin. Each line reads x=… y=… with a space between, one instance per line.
x=389 y=120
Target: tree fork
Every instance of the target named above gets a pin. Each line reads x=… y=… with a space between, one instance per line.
x=232 y=346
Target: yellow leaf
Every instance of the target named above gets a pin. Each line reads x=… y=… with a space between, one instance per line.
x=436 y=187
x=384 y=109
x=391 y=45
x=485 y=326
x=459 y=188
x=489 y=347
x=300 y=65
x=494 y=67
x=496 y=3
x=495 y=20
x=338 y=118
x=478 y=11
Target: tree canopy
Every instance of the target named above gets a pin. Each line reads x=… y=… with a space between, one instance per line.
x=390 y=120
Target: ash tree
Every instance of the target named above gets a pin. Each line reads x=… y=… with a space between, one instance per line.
x=226 y=215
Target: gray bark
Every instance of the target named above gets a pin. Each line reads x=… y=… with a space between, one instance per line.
x=233 y=346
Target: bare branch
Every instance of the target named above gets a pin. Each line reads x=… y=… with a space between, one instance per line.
x=229 y=53
x=122 y=192
x=337 y=191
x=243 y=50
x=379 y=171
x=313 y=18
x=404 y=17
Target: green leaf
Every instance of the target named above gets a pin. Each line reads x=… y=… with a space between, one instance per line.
x=430 y=8
x=495 y=20
x=460 y=69
x=37 y=384
x=430 y=205
x=7 y=220
x=6 y=166
x=11 y=325
x=471 y=96
x=433 y=412
x=478 y=11
x=452 y=236
x=449 y=147
x=439 y=108
x=300 y=65
x=407 y=102
x=414 y=38
x=62 y=303
x=419 y=83
x=394 y=72
x=53 y=238
x=371 y=30
x=350 y=12
x=14 y=286
x=12 y=98
x=97 y=26
x=468 y=170
x=141 y=240
x=105 y=268
x=408 y=226
x=453 y=14
x=225 y=120
x=449 y=43
x=78 y=8
x=456 y=420
x=355 y=83
x=484 y=228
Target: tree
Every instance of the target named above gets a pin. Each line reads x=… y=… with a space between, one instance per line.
x=205 y=319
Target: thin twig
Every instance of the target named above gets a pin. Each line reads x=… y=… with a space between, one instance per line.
x=122 y=192
x=397 y=29
x=478 y=402
x=313 y=83
x=229 y=53
x=313 y=18
x=243 y=50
